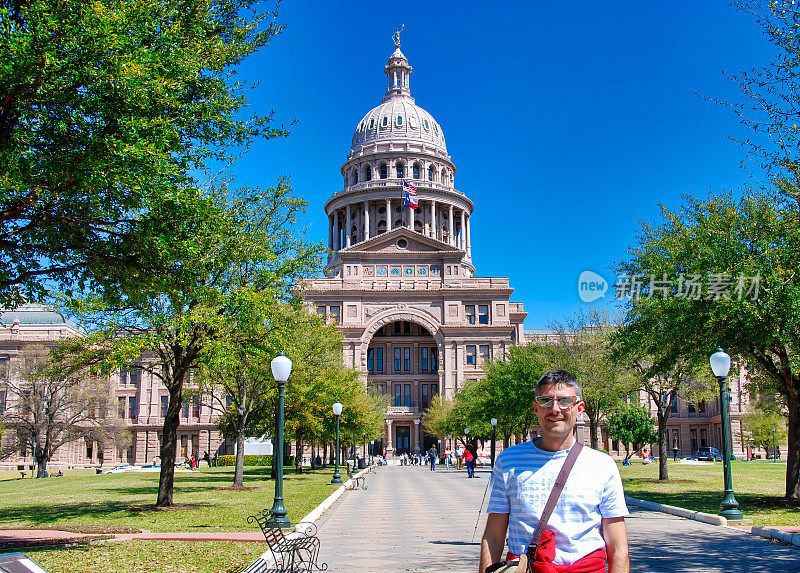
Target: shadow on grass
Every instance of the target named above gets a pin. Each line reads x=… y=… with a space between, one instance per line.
x=709 y=501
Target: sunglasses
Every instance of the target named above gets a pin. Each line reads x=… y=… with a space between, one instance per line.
x=563 y=402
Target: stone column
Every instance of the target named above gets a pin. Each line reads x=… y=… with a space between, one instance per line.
x=450 y=236
x=366 y=220
x=388 y=215
x=389 y=447
x=336 y=245
x=417 y=447
x=434 y=234
x=348 y=224
x=330 y=232
x=463 y=226
x=469 y=245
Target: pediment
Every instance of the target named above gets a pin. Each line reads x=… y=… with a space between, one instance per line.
x=387 y=243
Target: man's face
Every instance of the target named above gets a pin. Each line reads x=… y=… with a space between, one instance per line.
x=557 y=419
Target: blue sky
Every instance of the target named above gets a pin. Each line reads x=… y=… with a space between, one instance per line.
x=567 y=122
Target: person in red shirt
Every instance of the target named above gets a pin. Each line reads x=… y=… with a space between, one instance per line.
x=469 y=460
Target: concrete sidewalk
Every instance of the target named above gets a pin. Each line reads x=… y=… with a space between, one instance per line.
x=412 y=519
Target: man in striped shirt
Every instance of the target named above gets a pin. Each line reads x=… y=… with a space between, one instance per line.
x=588 y=522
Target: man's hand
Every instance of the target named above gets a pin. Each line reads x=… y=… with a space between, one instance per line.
x=616 y=538
x=494 y=540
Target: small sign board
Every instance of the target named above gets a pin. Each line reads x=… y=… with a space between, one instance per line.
x=19 y=563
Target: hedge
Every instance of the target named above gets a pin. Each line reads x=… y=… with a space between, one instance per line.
x=230 y=460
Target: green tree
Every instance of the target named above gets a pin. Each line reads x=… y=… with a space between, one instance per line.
x=751 y=248
x=583 y=349
x=243 y=242
x=757 y=428
x=107 y=108
x=632 y=424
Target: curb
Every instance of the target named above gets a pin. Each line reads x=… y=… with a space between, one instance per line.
x=776 y=534
x=680 y=512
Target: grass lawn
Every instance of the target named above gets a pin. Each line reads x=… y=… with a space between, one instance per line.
x=150 y=557
x=758 y=486
x=204 y=500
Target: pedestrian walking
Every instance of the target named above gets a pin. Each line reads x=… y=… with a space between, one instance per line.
x=447 y=454
x=577 y=524
x=433 y=454
x=469 y=461
x=459 y=456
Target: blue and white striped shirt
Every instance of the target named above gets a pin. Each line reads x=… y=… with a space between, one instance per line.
x=522 y=480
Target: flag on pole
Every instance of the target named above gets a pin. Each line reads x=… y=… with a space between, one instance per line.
x=410 y=201
x=409 y=188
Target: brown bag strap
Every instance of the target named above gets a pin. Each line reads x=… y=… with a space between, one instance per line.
x=561 y=479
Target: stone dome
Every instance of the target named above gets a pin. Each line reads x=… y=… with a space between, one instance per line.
x=399 y=119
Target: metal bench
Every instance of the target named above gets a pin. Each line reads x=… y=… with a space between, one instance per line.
x=292 y=553
x=356 y=481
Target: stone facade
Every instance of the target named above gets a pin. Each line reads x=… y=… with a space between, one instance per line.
x=139 y=398
x=400 y=278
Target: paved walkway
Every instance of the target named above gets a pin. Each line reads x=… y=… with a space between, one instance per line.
x=412 y=519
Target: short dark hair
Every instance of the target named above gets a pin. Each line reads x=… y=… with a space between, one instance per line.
x=558 y=377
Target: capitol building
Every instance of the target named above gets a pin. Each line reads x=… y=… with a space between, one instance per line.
x=400 y=280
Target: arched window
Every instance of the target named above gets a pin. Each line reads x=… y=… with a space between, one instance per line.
x=372 y=123
x=354 y=177
x=399 y=170
x=385 y=121
x=416 y=171
x=425 y=123
x=384 y=171
x=368 y=173
x=430 y=173
x=399 y=120
x=443 y=177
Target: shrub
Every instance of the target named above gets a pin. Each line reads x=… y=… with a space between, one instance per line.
x=230 y=460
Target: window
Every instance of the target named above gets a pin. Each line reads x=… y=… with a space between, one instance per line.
x=407 y=395
x=3 y=367
x=430 y=173
x=471 y=354
x=406 y=359
x=674 y=407
x=379 y=356
x=123 y=376
x=434 y=390
x=483 y=314
x=228 y=402
x=425 y=123
x=397 y=359
x=371 y=359
x=385 y=121
x=334 y=315
x=164 y=406
x=434 y=364
x=185 y=409
x=368 y=173
x=399 y=170
x=372 y=123
x=196 y=407
x=692 y=408
x=484 y=350
x=701 y=406
x=384 y=171
x=121 y=406
x=89 y=451
x=132 y=408
x=134 y=375
x=2 y=400
x=469 y=312
x=354 y=176
x=423 y=397
x=398 y=398
x=321 y=310
x=423 y=359
x=399 y=120
x=415 y=171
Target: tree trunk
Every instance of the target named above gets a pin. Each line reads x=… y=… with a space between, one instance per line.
x=593 y=430
x=663 y=447
x=793 y=455
x=41 y=465
x=238 y=473
x=298 y=456
x=169 y=443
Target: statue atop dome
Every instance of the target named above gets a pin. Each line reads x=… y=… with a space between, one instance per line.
x=396 y=35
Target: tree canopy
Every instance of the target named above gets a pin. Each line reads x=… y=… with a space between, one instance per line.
x=108 y=111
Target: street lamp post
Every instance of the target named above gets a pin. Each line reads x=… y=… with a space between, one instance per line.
x=371 y=451
x=281 y=368
x=721 y=365
x=354 y=451
x=494 y=434
x=337 y=409
x=774 y=451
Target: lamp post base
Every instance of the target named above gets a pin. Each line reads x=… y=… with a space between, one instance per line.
x=278 y=518
x=730 y=508
x=337 y=479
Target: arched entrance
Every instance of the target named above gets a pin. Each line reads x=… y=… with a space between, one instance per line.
x=402 y=361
